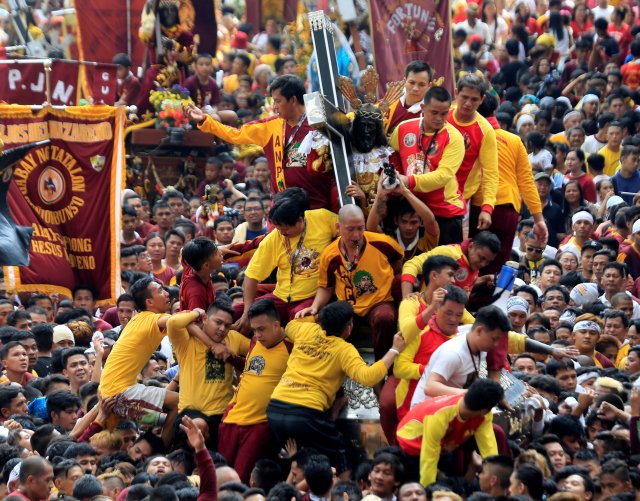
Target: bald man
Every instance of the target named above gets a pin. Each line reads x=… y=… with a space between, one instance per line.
x=358 y=267
x=36 y=479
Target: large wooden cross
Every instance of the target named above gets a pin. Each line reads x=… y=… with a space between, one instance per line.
x=325 y=108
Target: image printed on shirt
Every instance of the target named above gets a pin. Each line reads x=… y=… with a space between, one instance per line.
x=214 y=369
x=296 y=159
x=256 y=365
x=364 y=284
x=306 y=261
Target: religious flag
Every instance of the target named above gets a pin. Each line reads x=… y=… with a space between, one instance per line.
x=69 y=192
x=406 y=31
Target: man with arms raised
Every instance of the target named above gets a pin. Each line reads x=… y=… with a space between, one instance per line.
x=280 y=137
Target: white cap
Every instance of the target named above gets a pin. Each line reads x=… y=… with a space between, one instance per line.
x=636 y=226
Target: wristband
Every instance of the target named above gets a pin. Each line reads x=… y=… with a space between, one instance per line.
x=393 y=350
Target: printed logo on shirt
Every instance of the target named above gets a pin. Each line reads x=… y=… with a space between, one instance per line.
x=363 y=280
x=213 y=369
x=415 y=164
x=467 y=141
x=409 y=140
x=256 y=365
x=306 y=261
x=462 y=274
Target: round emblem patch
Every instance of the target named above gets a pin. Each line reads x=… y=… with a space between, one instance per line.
x=410 y=140
x=51 y=185
x=462 y=274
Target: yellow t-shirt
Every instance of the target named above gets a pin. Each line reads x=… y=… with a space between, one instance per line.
x=137 y=342
x=230 y=84
x=369 y=283
x=206 y=383
x=317 y=367
x=262 y=372
x=611 y=160
x=276 y=251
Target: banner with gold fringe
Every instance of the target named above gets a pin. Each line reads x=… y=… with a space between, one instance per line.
x=69 y=191
x=402 y=32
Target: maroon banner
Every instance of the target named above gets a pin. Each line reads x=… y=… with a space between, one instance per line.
x=407 y=31
x=69 y=191
x=25 y=83
x=103 y=30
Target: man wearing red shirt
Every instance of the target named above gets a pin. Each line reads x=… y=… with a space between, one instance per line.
x=200 y=258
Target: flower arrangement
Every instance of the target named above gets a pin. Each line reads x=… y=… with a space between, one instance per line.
x=168 y=106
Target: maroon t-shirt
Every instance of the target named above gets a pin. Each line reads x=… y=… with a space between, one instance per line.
x=203 y=94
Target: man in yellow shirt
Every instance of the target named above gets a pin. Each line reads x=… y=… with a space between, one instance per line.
x=515 y=183
x=611 y=151
x=206 y=382
x=359 y=267
x=294 y=248
x=246 y=432
x=320 y=360
x=137 y=342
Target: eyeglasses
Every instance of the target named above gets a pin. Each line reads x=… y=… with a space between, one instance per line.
x=254 y=209
x=534 y=249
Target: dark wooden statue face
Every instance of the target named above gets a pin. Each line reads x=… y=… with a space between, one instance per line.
x=367 y=134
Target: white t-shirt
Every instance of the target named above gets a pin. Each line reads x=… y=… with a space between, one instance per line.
x=543 y=160
x=591 y=144
x=454 y=362
x=600 y=12
x=479 y=28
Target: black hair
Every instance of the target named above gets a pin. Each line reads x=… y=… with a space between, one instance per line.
x=346 y=486
x=197 y=251
x=264 y=307
x=140 y=292
x=532 y=478
x=437 y=93
x=483 y=394
x=289 y=206
x=58 y=401
x=289 y=86
x=17 y=315
x=221 y=305
x=38 y=297
x=7 y=394
x=550 y=262
x=492 y=318
x=71 y=352
x=565 y=425
x=85 y=287
x=155 y=442
x=563 y=290
x=222 y=219
x=318 y=474
x=617 y=314
x=418 y=67
x=528 y=290
x=86 y=487
x=393 y=461
x=4 y=351
x=335 y=317
x=455 y=294
x=621 y=267
x=74 y=451
x=127 y=210
x=487 y=240
x=437 y=264
x=501 y=466
x=187 y=225
x=33 y=466
x=283 y=491
x=547 y=384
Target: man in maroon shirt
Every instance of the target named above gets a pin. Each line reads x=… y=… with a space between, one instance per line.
x=200 y=257
x=201 y=86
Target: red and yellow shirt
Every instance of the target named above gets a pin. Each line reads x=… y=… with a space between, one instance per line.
x=479 y=168
x=432 y=179
x=399 y=112
x=435 y=425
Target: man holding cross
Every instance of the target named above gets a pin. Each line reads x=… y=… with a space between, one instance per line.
x=280 y=137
